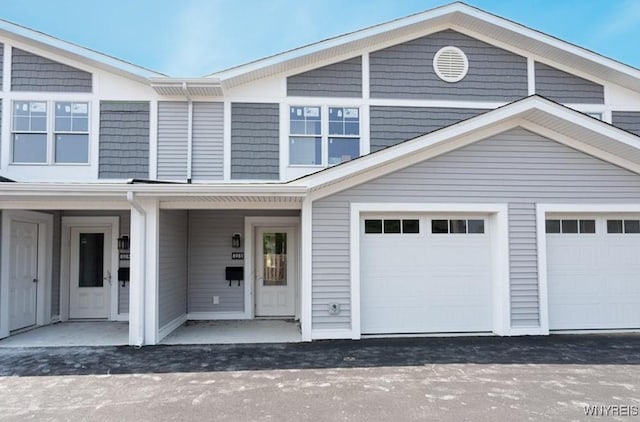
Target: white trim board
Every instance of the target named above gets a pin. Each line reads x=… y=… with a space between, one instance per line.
x=171 y=326
x=541 y=239
x=499 y=232
x=45 y=259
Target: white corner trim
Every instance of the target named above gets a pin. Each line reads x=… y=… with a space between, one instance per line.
x=541 y=212
x=153 y=139
x=171 y=326
x=499 y=231
x=226 y=141
x=365 y=76
x=531 y=76
x=306 y=270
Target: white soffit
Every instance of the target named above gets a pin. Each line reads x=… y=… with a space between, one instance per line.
x=187 y=87
x=458 y=16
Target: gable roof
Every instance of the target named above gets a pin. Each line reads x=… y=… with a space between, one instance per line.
x=75 y=52
x=457 y=16
x=535 y=113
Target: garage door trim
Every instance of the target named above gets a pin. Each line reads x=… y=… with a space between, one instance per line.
x=498 y=231
x=541 y=214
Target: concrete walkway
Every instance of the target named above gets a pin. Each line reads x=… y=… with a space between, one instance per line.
x=75 y=333
x=481 y=379
x=235 y=332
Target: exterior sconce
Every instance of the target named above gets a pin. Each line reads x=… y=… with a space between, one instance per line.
x=235 y=240
x=123 y=243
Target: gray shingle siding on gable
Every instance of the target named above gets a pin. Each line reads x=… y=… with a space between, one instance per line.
x=517 y=167
x=565 y=88
x=627 y=120
x=124 y=140
x=406 y=71
x=30 y=72
x=255 y=141
x=343 y=79
x=208 y=141
x=172 y=140
x=391 y=125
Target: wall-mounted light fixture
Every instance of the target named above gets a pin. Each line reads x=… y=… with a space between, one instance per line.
x=123 y=243
x=235 y=240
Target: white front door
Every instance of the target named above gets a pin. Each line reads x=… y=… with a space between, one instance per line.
x=90 y=272
x=275 y=272
x=23 y=275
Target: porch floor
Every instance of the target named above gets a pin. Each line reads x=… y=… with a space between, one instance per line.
x=76 y=333
x=235 y=331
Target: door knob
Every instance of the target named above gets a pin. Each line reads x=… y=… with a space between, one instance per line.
x=35 y=280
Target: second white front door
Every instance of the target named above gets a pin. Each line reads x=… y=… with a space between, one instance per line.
x=23 y=270
x=275 y=272
x=90 y=272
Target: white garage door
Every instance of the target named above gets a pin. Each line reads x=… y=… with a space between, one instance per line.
x=421 y=274
x=593 y=272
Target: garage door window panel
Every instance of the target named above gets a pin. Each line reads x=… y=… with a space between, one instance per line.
x=570 y=226
x=373 y=226
x=411 y=226
x=392 y=226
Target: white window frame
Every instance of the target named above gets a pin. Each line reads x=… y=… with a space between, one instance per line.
x=324 y=132
x=50 y=133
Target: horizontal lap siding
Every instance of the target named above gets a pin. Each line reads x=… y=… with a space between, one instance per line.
x=406 y=71
x=392 y=125
x=255 y=141
x=517 y=167
x=172 y=140
x=1 y=62
x=172 y=266
x=124 y=140
x=627 y=120
x=208 y=141
x=342 y=79
x=30 y=72
x=566 y=88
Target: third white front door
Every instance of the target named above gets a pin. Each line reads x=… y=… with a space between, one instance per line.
x=23 y=270
x=90 y=272
x=275 y=272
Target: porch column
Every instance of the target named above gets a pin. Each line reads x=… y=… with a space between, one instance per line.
x=143 y=306
x=306 y=239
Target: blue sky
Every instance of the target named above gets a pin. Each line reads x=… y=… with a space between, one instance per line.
x=197 y=37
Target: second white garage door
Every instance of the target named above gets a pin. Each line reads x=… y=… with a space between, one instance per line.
x=425 y=274
x=593 y=272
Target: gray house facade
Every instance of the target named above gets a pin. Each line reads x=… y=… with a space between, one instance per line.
x=447 y=173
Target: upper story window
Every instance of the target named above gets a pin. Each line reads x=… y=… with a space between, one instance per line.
x=37 y=139
x=321 y=136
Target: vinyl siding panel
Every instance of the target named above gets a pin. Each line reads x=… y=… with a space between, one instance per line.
x=124 y=140
x=1 y=63
x=30 y=72
x=406 y=71
x=255 y=141
x=210 y=251
x=208 y=141
x=566 y=88
x=343 y=79
x=172 y=267
x=627 y=120
x=517 y=167
x=392 y=125
x=172 y=140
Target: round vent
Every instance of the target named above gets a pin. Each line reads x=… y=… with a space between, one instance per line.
x=450 y=64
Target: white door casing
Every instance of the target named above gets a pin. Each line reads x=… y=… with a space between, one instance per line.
x=23 y=275
x=90 y=246
x=275 y=271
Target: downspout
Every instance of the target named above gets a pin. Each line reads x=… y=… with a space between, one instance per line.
x=189 y=130
x=131 y=198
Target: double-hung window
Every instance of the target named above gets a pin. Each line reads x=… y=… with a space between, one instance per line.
x=323 y=135
x=46 y=132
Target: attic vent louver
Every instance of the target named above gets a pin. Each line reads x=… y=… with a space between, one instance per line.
x=450 y=64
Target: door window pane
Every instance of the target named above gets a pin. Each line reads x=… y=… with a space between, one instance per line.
x=91 y=262
x=569 y=226
x=373 y=226
x=458 y=226
x=631 y=226
x=587 y=226
x=552 y=226
x=29 y=148
x=475 y=226
x=275 y=259
x=392 y=226
x=439 y=226
x=614 y=226
x=410 y=226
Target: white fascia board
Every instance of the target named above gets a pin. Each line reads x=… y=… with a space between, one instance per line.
x=475 y=128
x=22 y=33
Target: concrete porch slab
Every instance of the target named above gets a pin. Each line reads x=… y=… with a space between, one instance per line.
x=76 y=333
x=233 y=332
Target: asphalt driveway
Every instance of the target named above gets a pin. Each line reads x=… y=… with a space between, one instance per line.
x=477 y=378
